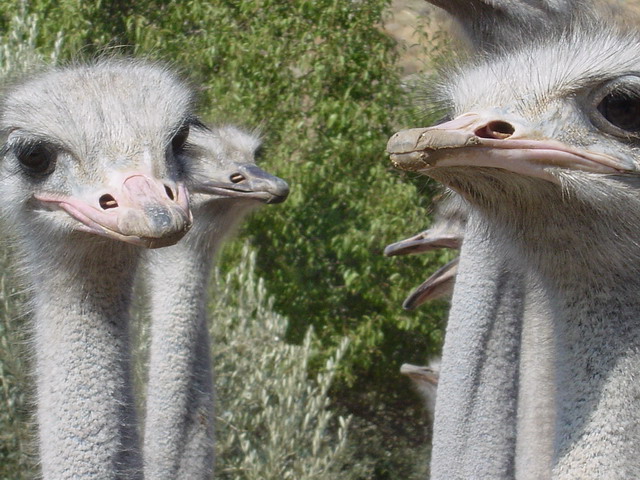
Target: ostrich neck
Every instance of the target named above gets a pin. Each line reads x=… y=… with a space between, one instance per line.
x=597 y=335
x=578 y=341
x=475 y=429
x=85 y=402
x=587 y=273
x=179 y=420
x=179 y=277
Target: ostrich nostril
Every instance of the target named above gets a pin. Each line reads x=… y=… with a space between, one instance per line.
x=236 y=178
x=169 y=192
x=496 y=129
x=107 y=202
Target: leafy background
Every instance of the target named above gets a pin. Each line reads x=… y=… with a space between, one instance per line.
x=324 y=83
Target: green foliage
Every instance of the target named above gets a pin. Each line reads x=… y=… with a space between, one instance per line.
x=16 y=459
x=318 y=77
x=274 y=422
x=18 y=50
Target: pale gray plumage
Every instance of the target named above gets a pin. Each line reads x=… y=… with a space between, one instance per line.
x=519 y=336
x=473 y=428
x=89 y=170
x=425 y=379
x=226 y=185
x=544 y=147
x=536 y=387
x=482 y=400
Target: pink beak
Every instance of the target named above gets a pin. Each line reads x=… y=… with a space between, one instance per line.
x=474 y=141
x=138 y=209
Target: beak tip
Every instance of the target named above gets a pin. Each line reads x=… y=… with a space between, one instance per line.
x=279 y=192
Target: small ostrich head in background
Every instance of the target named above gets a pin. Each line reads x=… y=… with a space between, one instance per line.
x=224 y=180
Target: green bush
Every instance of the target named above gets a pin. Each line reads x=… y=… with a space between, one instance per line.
x=17 y=455
x=274 y=422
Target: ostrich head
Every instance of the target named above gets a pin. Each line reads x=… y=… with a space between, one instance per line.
x=447 y=231
x=224 y=179
x=545 y=138
x=425 y=379
x=439 y=285
x=95 y=149
x=489 y=25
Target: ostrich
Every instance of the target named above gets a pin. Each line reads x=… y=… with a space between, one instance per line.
x=225 y=184
x=486 y=24
x=425 y=380
x=90 y=174
x=439 y=285
x=543 y=146
x=447 y=231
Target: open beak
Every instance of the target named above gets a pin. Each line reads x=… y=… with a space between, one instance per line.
x=245 y=181
x=438 y=285
x=472 y=140
x=136 y=209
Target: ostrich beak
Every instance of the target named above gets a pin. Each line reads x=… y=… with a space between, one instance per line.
x=134 y=208
x=420 y=373
x=438 y=285
x=245 y=181
x=472 y=140
x=423 y=242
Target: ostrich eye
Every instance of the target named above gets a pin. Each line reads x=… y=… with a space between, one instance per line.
x=621 y=110
x=179 y=139
x=616 y=107
x=36 y=158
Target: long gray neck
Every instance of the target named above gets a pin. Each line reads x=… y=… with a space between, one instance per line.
x=597 y=334
x=86 y=411
x=582 y=262
x=179 y=439
x=537 y=395
x=586 y=264
x=476 y=408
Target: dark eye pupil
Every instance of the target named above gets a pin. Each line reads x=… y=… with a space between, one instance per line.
x=180 y=138
x=621 y=110
x=36 y=158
